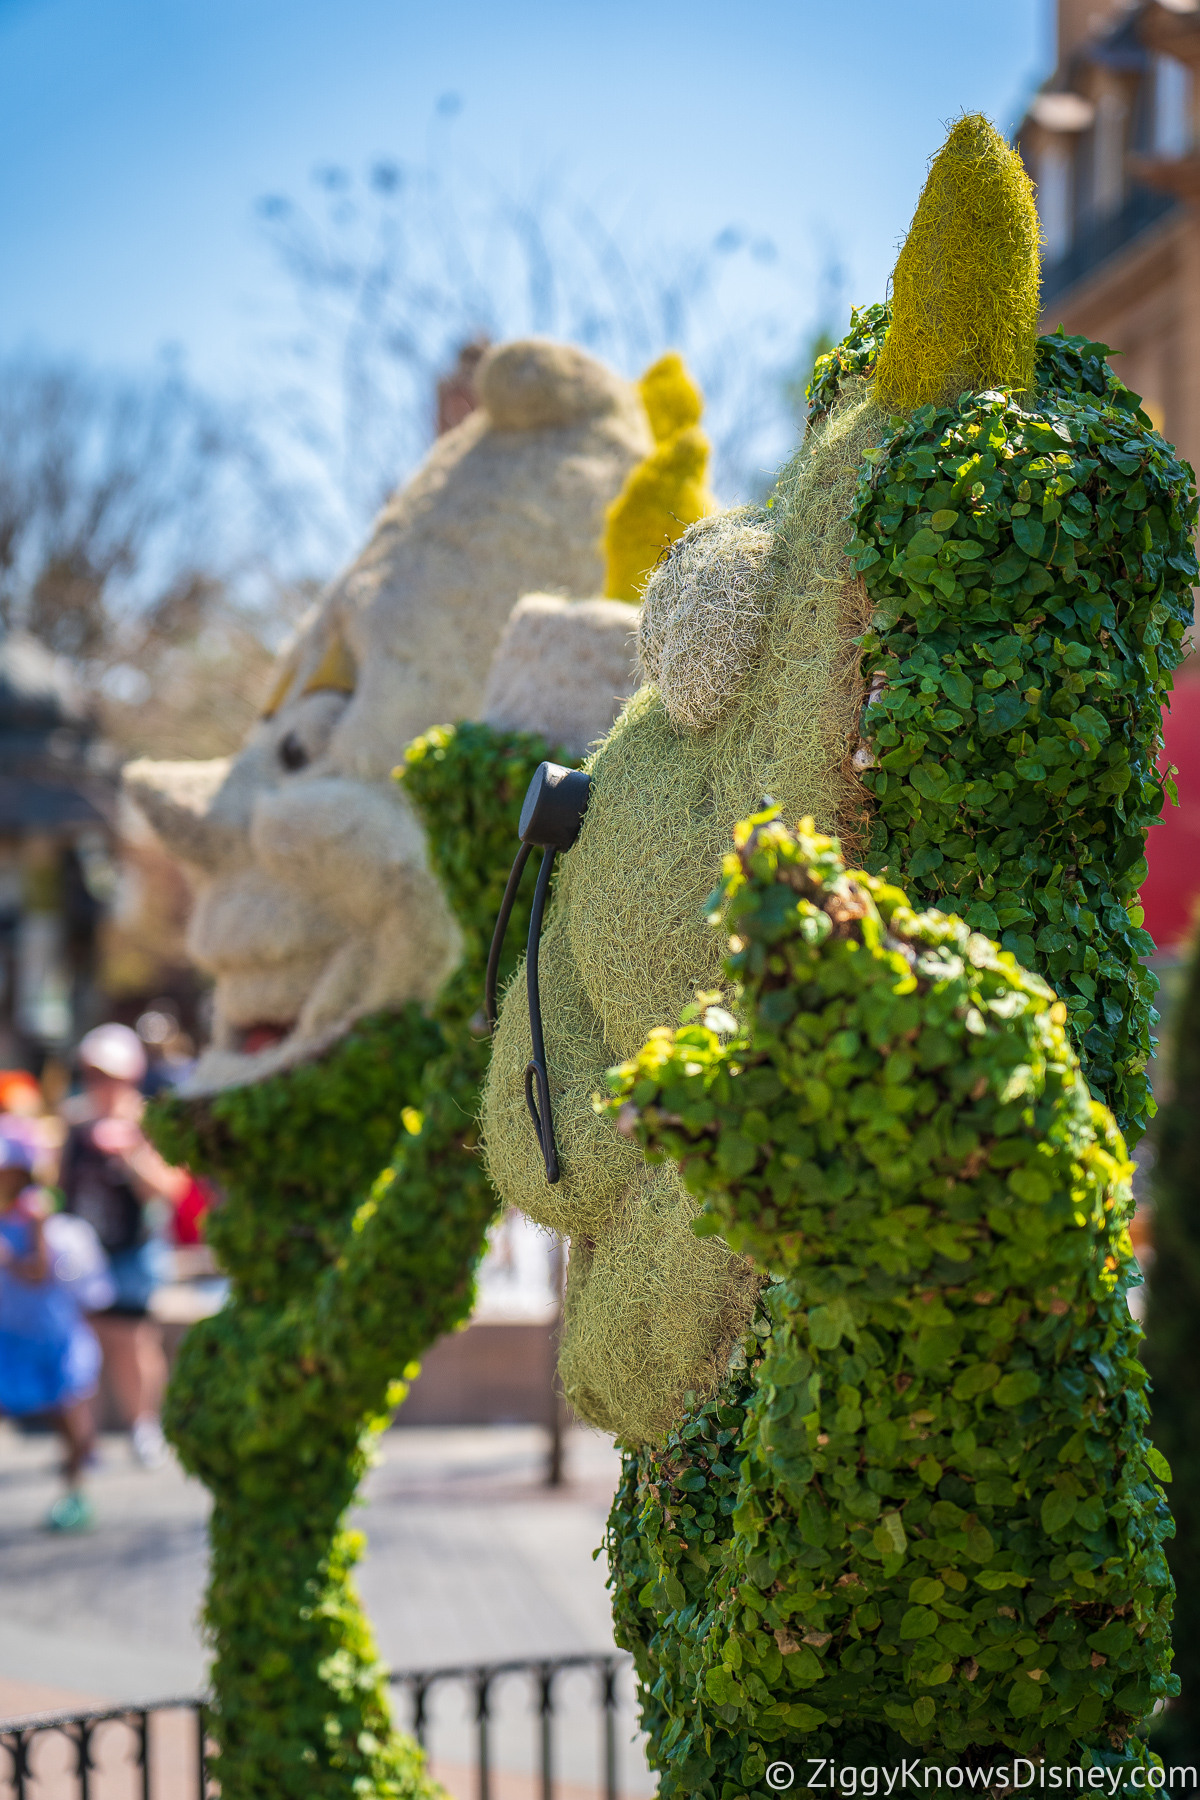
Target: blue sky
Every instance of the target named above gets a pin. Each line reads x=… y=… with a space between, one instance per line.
x=136 y=136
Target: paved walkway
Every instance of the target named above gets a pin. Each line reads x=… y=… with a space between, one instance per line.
x=470 y=1559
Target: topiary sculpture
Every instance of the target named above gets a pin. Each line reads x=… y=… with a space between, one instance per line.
x=936 y=1523
x=275 y=1400
x=315 y=905
x=947 y=635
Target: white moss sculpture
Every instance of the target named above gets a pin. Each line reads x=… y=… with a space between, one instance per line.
x=314 y=902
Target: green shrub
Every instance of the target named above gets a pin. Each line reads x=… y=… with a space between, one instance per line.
x=1030 y=568
x=1173 y=1339
x=274 y=1401
x=936 y=1524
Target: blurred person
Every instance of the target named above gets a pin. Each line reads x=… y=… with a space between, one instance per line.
x=170 y=1053
x=49 y=1355
x=23 y=1116
x=191 y=1211
x=112 y=1177
x=20 y=1095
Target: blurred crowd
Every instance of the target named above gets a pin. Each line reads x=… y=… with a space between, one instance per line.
x=93 y=1224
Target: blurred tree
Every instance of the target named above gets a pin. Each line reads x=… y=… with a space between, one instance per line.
x=395 y=272
x=140 y=522
x=190 y=672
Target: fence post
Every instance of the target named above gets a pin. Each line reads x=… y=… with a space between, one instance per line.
x=608 y=1669
x=84 y=1765
x=144 y=1751
x=201 y=1751
x=419 y=1718
x=20 y=1758
x=545 y=1678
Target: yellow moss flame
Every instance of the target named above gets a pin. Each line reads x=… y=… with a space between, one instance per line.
x=966 y=284
x=667 y=492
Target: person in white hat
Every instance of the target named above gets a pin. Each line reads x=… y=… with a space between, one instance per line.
x=112 y=1177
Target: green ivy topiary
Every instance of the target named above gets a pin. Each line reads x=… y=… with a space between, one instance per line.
x=1173 y=1342
x=1031 y=569
x=937 y=1525
x=274 y=1401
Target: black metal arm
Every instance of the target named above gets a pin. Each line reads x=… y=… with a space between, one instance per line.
x=551 y=818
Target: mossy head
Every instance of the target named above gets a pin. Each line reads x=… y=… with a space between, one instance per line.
x=966 y=283
x=667 y=492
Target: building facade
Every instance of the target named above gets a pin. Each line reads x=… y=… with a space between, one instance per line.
x=1111 y=141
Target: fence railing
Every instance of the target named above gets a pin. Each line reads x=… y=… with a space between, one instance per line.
x=18 y=1737
x=82 y=1778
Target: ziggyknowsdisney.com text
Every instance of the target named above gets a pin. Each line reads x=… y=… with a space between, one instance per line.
x=823 y=1773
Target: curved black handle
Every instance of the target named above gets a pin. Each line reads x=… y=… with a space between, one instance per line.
x=551 y=817
x=505 y=914
x=535 y=1069
x=543 y=1120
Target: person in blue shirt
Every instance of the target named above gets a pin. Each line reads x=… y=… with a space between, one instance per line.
x=49 y=1354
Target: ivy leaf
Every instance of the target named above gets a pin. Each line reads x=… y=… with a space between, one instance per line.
x=800 y=1717
x=722 y=1688
x=814 y=1520
x=923 y=543
x=1010 y=567
x=930 y=779
x=937 y=1346
x=1058 y=1509
x=1025 y=1697
x=1016 y=1388
x=957 y=688
x=1030 y=534
x=1157 y=1463
x=1046 y=434
x=889 y=1535
x=976 y=1379
x=828 y=1324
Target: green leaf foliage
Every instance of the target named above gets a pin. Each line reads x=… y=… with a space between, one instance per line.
x=1031 y=574
x=943 y=1527
x=341 y=1276
x=1173 y=1340
x=855 y=355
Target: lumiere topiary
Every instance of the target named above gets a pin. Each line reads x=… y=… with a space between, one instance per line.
x=667 y=491
x=338 y=1286
x=924 y=1511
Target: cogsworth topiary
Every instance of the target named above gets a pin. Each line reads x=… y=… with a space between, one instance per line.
x=947 y=636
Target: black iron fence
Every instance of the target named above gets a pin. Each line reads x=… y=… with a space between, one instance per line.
x=29 y=1774
x=81 y=1772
